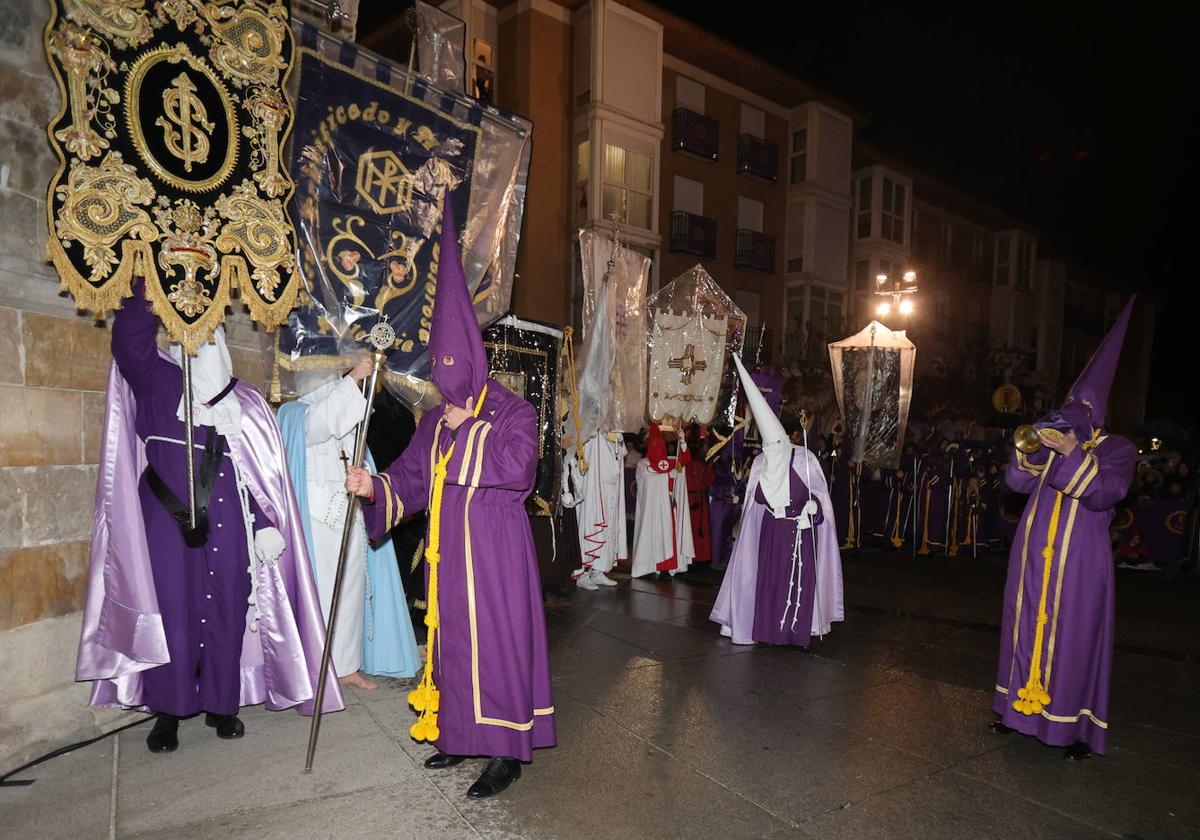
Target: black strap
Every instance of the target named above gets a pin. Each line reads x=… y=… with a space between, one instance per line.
x=224 y=393
x=210 y=462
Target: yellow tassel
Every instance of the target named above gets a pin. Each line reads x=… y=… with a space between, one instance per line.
x=1033 y=697
x=426 y=698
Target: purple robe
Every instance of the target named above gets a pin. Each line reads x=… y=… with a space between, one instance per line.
x=1077 y=645
x=766 y=548
x=491 y=664
x=724 y=507
x=774 y=590
x=168 y=628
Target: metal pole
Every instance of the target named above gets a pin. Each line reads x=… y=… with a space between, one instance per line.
x=189 y=435
x=380 y=339
x=950 y=501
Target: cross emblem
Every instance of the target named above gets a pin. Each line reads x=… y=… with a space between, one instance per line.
x=345 y=461
x=687 y=364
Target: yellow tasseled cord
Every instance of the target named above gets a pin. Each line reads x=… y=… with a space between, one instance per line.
x=1033 y=696
x=426 y=698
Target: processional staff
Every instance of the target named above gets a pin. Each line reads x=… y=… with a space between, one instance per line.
x=382 y=338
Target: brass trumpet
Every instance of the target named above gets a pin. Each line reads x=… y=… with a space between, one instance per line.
x=1028 y=439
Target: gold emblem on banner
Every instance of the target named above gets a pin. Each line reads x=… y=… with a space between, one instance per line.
x=384 y=182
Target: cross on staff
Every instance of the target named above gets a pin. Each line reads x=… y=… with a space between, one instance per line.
x=688 y=364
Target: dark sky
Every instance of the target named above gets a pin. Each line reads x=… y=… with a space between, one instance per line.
x=1071 y=116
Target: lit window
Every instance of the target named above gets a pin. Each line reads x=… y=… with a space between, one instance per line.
x=892 y=218
x=1002 y=248
x=583 y=175
x=628 y=186
x=799 y=170
x=863 y=223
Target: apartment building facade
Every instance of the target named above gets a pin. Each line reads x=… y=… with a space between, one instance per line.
x=698 y=151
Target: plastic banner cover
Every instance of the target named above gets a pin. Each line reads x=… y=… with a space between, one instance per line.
x=441 y=47
x=610 y=268
x=523 y=357
x=374 y=153
x=693 y=327
x=872 y=377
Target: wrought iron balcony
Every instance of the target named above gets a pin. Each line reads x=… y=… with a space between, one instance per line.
x=758 y=158
x=755 y=250
x=691 y=234
x=695 y=134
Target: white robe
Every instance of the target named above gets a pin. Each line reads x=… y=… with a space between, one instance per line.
x=603 y=533
x=334 y=409
x=652 y=537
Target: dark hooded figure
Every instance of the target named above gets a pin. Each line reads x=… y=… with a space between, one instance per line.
x=486 y=689
x=1056 y=641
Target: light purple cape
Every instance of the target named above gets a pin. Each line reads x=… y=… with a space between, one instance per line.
x=734 y=608
x=123 y=632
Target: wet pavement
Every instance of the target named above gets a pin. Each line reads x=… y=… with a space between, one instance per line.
x=668 y=731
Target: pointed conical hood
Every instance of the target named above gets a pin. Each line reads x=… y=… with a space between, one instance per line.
x=1087 y=401
x=775 y=481
x=457 y=360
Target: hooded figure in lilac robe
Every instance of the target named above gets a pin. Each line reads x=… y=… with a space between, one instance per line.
x=178 y=630
x=784 y=582
x=1056 y=641
x=490 y=664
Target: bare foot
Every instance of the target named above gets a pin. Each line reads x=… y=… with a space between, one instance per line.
x=358 y=681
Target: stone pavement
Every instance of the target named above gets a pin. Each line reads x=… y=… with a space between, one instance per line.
x=665 y=731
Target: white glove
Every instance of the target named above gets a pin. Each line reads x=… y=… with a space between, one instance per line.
x=268 y=544
x=810 y=509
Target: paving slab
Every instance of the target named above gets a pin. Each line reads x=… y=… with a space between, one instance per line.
x=1132 y=796
x=946 y=807
x=82 y=778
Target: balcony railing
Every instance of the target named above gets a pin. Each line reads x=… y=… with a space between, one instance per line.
x=695 y=134
x=755 y=250
x=691 y=234
x=758 y=158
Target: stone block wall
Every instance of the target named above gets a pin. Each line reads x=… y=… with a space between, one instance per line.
x=53 y=370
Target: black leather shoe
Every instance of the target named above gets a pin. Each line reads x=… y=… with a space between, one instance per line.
x=441 y=761
x=1078 y=751
x=999 y=728
x=164 y=737
x=499 y=774
x=227 y=726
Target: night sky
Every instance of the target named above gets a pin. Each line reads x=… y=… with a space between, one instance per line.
x=1072 y=118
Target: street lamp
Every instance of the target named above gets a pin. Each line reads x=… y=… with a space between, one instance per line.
x=897 y=292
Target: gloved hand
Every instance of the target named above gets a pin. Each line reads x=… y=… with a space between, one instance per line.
x=268 y=544
x=810 y=509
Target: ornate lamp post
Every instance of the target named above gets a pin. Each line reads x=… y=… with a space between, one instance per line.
x=897 y=292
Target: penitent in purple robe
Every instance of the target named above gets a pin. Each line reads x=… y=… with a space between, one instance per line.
x=778 y=620
x=173 y=629
x=491 y=664
x=1077 y=642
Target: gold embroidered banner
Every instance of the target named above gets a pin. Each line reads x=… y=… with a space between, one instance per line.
x=169 y=137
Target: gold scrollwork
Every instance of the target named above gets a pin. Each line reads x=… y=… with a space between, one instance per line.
x=247 y=42
x=187 y=242
x=258 y=230
x=100 y=205
x=269 y=112
x=125 y=21
x=187 y=129
x=87 y=63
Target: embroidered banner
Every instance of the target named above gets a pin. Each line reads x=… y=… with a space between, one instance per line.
x=374 y=152
x=523 y=357
x=169 y=140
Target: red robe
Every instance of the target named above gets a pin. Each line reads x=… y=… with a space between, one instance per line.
x=700 y=477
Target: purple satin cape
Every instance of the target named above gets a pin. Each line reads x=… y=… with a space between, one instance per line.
x=123 y=633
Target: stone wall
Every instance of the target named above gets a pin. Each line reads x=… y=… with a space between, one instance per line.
x=53 y=369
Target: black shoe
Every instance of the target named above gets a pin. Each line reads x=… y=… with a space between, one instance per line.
x=1078 y=751
x=499 y=774
x=999 y=728
x=227 y=726
x=441 y=761
x=164 y=737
